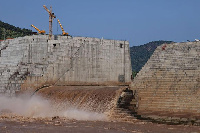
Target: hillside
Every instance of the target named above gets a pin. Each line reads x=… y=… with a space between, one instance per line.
x=141 y=54
x=10 y=31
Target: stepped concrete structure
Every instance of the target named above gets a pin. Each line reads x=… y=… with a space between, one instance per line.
x=32 y=62
x=169 y=83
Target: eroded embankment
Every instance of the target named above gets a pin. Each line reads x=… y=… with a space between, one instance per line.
x=71 y=102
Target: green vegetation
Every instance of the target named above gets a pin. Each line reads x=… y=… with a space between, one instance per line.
x=141 y=54
x=10 y=31
x=134 y=73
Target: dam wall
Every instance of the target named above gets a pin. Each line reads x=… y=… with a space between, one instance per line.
x=169 y=83
x=29 y=62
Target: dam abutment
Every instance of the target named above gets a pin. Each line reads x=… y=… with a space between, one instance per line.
x=168 y=84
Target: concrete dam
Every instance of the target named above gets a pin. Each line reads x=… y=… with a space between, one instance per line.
x=31 y=62
x=93 y=74
x=168 y=86
x=81 y=73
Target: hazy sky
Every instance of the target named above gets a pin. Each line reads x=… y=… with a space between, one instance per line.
x=138 y=21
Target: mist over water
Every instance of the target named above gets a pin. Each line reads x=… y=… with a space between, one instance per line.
x=26 y=106
x=37 y=106
x=83 y=115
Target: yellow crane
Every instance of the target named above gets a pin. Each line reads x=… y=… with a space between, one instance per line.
x=39 y=31
x=51 y=17
x=63 y=31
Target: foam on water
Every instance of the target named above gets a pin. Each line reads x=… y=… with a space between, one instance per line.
x=80 y=103
x=37 y=106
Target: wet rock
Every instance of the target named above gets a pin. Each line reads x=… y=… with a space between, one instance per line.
x=57 y=123
x=184 y=119
x=55 y=118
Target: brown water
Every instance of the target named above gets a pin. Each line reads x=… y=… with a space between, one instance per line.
x=61 y=125
x=91 y=98
x=72 y=102
x=73 y=109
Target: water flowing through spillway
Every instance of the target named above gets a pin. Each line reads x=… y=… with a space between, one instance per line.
x=72 y=102
x=91 y=98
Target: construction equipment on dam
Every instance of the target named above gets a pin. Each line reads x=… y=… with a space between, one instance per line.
x=39 y=31
x=79 y=70
x=63 y=31
x=88 y=73
x=51 y=17
x=94 y=74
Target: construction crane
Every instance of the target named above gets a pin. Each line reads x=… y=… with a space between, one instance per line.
x=39 y=31
x=51 y=17
x=63 y=31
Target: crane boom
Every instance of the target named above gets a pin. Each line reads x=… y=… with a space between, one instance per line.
x=47 y=9
x=63 y=31
x=51 y=17
x=39 y=31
